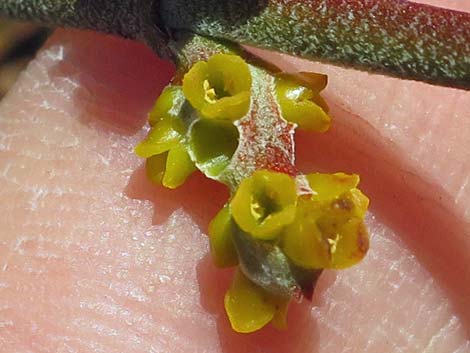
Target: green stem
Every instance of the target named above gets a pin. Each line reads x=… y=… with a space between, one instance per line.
x=394 y=37
x=133 y=19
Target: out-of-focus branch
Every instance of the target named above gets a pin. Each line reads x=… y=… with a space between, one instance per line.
x=133 y=19
x=394 y=37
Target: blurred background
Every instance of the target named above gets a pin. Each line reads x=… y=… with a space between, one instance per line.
x=18 y=45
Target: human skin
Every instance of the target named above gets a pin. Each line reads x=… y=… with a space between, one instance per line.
x=93 y=258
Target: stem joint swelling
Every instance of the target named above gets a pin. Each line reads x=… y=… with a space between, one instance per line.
x=234 y=121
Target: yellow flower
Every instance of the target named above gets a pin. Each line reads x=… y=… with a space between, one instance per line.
x=300 y=101
x=264 y=203
x=168 y=161
x=219 y=88
x=168 y=105
x=249 y=307
x=161 y=138
x=170 y=166
x=324 y=229
x=223 y=250
x=279 y=238
x=328 y=230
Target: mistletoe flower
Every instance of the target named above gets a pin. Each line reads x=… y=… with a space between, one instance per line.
x=219 y=88
x=264 y=203
x=285 y=229
x=280 y=230
x=250 y=307
x=223 y=251
x=329 y=230
x=168 y=161
x=300 y=101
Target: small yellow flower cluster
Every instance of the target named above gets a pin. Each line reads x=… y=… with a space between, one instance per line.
x=194 y=126
x=219 y=91
x=324 y=229
x=168 y=161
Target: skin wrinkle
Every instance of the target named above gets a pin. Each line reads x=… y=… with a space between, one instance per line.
x=104 y=217
x=112 y=99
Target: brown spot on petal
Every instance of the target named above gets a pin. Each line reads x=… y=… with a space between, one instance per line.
x=342 y=204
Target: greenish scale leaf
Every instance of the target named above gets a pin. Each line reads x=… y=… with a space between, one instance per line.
x=212 y=144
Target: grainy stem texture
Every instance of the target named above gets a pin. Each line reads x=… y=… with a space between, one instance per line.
x=394 y=37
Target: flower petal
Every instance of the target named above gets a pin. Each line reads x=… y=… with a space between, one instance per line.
x=248 y=306
x=193 y=85
x=223 y=250
x=178 y=167
x=264 y=203
x=168 y=105
x=163 y=136
x=299 y=105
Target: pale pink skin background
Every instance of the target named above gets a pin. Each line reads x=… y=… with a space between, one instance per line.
x=93 y=258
